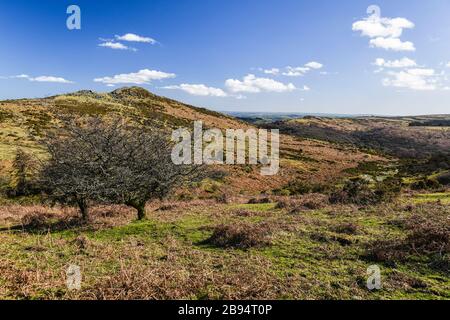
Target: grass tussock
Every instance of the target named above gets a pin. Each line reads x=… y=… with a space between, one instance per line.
x=179 y=275
x=312 y=201
x=347 y=228
x=240 y=235
x=427 y=235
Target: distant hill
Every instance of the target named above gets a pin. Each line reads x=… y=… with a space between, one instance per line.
x=269 y=117
x=406 y=137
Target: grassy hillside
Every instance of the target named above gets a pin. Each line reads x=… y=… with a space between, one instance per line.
x=350 y=194
x=278 y=252
x=23 y=122
x=406 y=137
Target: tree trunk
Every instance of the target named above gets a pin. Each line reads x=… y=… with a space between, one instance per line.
x=141 y=211
x=82 y=204
x=140 y=207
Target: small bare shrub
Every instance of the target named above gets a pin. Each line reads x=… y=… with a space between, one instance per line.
x=347 y=228
x=312 y=201
x=282 y=204
x=223 y=198
x=240 y=236
x=36 y=220
x=167 y=207
x=81 y=242
x=388 y=251
x=259 y=201
x=428 y=235
x=245 y=213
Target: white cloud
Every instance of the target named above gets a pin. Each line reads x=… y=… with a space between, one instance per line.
x=385 y=33
x=144 y=76
x=252 y=84
x=51 y=79
x=402 y=63
x=113 y=45
x=314 y=65
x=392 y=44
x=414 y=79
x=199 y=90
x=422 y=72
x=273 y=71
x=448 y=65
x=21 y=76
x=305 y=88
x=131 y=37
x=301 y=71
x=296 y=72
x=374 y=27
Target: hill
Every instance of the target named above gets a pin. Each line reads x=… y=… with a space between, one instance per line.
x=306 y=233
x=417 y=137
x=24 y=121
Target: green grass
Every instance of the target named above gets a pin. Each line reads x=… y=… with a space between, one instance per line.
x=433 y=197
x=306 y=249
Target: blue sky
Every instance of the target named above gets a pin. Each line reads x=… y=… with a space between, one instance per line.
x=252 y=55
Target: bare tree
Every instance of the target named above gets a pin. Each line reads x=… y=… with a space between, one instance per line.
x=92 y=160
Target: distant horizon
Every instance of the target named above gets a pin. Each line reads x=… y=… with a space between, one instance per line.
x=229 y=112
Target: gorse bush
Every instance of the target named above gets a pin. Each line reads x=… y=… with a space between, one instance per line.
x=356 y=190
x=444 y=179
x=359 y=191
x=299 y=187
x=25 y=168
x=425 y=184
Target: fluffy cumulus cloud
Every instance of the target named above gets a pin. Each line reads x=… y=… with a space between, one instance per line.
x=374 y=27
x=144 y=76
x=385 y=33
x=314 y=65
x=131 y=37
x=253 y=84
x=199 y=90
x=448 y=65
x=51 y=79
x=394 y=44
x=402 y=63
x=414 y=79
